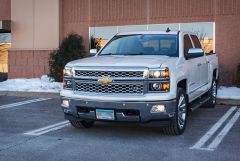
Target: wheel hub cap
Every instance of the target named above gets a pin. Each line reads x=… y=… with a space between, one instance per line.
x=182 y=111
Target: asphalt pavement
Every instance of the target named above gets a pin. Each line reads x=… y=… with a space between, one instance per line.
x=33 y=129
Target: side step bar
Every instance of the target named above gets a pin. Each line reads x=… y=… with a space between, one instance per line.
x=198 y=103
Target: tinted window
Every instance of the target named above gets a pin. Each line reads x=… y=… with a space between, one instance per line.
x=142 y=44
x=196 y=42
x=187 y=44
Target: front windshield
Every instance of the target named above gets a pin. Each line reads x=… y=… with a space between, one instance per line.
x=142 y=44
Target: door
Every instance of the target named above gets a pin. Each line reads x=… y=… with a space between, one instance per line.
x=204 y=64
x=193 y=65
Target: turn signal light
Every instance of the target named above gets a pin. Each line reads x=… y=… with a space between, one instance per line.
x=165 y=86
x=165 y=73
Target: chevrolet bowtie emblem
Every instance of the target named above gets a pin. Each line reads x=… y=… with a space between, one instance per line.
x=105 y=80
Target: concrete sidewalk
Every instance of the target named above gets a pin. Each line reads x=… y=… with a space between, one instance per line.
x=57 y=95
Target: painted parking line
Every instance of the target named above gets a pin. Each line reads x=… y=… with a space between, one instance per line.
x=200 y=145
x=48 y=129
x=23 y=103
x=224 y=131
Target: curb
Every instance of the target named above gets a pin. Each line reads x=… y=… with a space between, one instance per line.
x=57 y=95
x=228 y=102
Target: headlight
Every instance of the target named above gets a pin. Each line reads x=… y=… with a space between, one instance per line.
x=67 y=84
x=67 y=72
x=67 y=80
x=157 y=73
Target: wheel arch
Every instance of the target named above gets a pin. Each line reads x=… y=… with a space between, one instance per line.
x=215 y=74
x=183 y=84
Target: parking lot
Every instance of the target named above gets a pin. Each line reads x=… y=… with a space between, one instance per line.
x=34 y=129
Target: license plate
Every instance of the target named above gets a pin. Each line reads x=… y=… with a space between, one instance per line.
x=105 y=114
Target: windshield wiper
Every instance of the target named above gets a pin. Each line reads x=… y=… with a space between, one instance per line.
x=107 y=54
x=122 y=54
x=134 y=54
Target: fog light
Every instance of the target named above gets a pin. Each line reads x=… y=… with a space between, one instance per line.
x=65 y=103
x=158 y=109
x=157 y=86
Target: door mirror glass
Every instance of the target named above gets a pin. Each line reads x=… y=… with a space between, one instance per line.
x=92 y=52
x=194 y=53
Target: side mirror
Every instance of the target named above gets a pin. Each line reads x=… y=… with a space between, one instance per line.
x=194 y=53
x=92 y=52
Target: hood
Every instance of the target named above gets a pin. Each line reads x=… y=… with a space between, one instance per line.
x=151 y=61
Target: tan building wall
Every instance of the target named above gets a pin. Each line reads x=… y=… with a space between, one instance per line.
x=35 y=25
x=35 y=33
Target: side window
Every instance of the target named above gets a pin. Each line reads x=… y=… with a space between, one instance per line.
x=187 y=44
x=196 y=42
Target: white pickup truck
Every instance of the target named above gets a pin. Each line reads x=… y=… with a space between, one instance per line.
x=145 y=77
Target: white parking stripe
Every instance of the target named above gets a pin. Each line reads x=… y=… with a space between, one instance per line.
x=224 y=131
x=23 y=103
x=211 y=132
x=49 y=128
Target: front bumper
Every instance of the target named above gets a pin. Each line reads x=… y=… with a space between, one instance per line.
x=124 y=111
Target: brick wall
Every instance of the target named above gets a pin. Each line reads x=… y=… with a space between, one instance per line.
x=5 y=9
x=227 y=19
x=28 y=63
x=78 y=15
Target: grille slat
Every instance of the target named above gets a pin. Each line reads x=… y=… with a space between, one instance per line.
x=120 y=88
x=114 y=74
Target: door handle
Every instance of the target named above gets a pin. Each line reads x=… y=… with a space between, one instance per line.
x=199 y=64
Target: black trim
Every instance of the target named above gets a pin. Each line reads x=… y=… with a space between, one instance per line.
x=63 y=97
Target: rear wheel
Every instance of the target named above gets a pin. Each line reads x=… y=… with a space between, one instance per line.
x=212 y=94
x=79 y=124
x=178 y=123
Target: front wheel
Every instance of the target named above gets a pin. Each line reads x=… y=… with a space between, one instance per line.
x=178 y=123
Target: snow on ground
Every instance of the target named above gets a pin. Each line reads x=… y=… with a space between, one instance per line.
x=228 y=92
x=43 y=84
x=46 y=84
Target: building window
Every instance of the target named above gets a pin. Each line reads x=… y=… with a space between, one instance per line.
x=204 y=30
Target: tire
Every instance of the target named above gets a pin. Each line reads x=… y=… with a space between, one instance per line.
x=212 y=94
x=178 y=123
x=79 y=124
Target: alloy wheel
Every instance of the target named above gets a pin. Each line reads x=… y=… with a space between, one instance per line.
x=214 y=91
x=182 y=111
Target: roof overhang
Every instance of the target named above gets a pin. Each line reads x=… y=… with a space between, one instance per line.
x=5 y=26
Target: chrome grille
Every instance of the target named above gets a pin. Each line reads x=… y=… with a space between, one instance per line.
x=121 y=88
x=115 y=74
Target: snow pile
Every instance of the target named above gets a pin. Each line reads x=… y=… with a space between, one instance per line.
x=43 y=84
x=228 y=93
